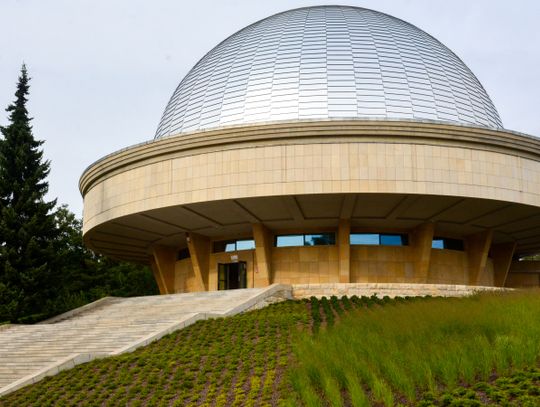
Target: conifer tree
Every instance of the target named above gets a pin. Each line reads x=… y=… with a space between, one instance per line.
x=27 y=220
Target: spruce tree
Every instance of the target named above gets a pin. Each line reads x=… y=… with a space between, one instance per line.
x=27 y=220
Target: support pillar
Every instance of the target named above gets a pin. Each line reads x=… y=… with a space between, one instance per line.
x=422 y=239
x=163 y=262
x=199 y=250
x=263 y=253
x=344 y=245
x=502 y=259
x=477 y=247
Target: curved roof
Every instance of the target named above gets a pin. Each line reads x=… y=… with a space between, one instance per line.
x=327 y=62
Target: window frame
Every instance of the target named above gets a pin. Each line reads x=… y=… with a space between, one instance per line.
x=330 y=236
x=403 y=236
x=227 y=242
x=449 y=243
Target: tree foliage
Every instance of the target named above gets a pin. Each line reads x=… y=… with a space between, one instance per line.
x=27 y=220
x=87 y=276
x=44 y=266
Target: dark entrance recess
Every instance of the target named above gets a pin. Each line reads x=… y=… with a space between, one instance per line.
x=232 y=275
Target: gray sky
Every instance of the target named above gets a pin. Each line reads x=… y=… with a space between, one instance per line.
x=103 y=71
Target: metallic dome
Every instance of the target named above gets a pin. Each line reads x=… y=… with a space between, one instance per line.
x=327 y=62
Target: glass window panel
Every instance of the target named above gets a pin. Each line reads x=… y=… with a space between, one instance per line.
x=230 y=247
x=247 y=244
x=447 y=243
x=289 y=240
x=320 y=239
x=453 y=244
x=437 y=244
x=364 y=238
x=223 y=245
x=394 y=240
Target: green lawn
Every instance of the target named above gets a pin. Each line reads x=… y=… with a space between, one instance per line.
x=352 y=351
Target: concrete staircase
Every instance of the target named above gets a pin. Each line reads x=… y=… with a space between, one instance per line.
x=112 y=326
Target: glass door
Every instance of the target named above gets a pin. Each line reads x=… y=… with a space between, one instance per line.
x=232 y=275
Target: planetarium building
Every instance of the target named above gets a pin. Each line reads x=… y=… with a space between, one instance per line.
x=323 y=145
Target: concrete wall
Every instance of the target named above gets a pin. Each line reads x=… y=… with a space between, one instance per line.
x=524 y=273
x=369 y=264
x=295 y=265
x=381 y=264
x=523 y=280
x=184 y=281
x=448 y=267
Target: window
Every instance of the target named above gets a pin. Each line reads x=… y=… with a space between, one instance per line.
x=289 y=241
x=379 y=239
x=320 y=239
x=314 y=239
x=447 y=243
x=437 y=243
x=247 y=244
x=364 y=238
x=394 y=240
x=233 y=245
x=224 y=246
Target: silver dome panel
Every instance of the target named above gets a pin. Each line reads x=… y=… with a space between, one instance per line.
x=327 y=62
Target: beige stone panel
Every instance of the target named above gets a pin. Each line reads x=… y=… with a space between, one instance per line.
x=301 y=264
x=185 y=280
x=372 y=264
x=239 y=172
x=448 y=267
x=523 y=280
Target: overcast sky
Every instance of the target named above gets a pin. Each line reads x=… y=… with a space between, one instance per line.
x=103 y=71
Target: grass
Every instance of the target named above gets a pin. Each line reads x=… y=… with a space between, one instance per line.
x=394 y=354
x=327 y=352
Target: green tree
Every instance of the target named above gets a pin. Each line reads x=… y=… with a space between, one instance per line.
x=87 y=276
x=27 y=220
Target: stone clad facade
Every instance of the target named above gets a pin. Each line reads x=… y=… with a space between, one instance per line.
x=417 y=179
x=370 y=199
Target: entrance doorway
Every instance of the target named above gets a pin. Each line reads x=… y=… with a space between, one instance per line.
x=232 y=275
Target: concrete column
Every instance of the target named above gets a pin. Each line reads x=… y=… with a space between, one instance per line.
x=421 y=241
x=163 y=262
x=502 y=259
x=199 y=249
x=477 y=247
x=263 y=253
x=344 y=245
